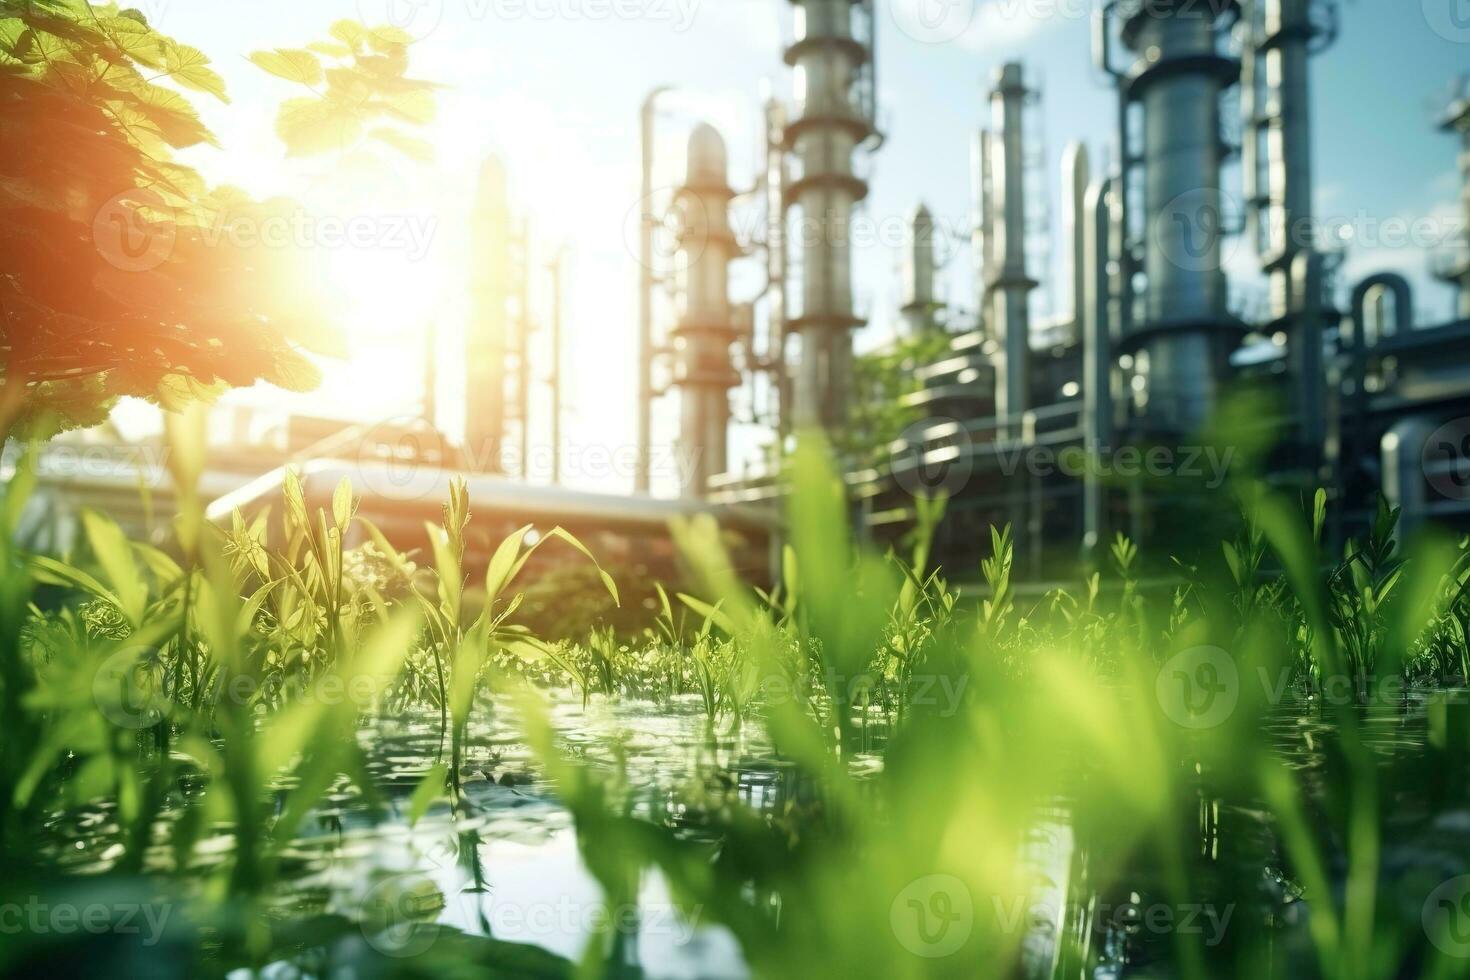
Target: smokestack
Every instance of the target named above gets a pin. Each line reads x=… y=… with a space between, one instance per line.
x=485 y=334
x=1009 y=284
x=828 y=125
x=1178 y=79
x=918 y=273
x=703 y=371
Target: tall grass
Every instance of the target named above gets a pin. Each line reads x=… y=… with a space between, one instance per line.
x=929 y=740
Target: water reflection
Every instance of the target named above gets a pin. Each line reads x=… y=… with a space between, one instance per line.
x=503 y=879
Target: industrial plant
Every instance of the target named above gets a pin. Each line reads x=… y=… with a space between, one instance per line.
x=569 y=545
x=1150 y=343
x=1097 y=419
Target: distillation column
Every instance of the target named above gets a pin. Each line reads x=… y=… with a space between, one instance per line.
x=701 y=339
x=485 y=334
x=1009 y=286
x=828 y=125
x=1277 y=106
x=1178 y=79
x=919 y=303
x=1456 y=270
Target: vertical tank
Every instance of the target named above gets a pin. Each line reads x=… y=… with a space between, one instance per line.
x=701 y=338
x=829 y=123
x=1178 y=79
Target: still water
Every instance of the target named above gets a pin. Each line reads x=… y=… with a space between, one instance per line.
x=504 y=880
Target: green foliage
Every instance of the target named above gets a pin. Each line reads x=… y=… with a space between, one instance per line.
x=123 y=276
x=881 y=379
x=362 y=92
x=919 y=732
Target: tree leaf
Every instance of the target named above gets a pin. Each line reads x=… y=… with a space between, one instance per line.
x=292 y=64
x=309 y=126
x=349 y=32
x=330 y=49
x=190 y=68
x=414 y=105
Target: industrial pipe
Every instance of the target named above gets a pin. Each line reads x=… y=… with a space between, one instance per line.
x=982 y=238
x=1076 y=177
x=1367 y=309
x=1097 y=354
x=1401 y=452
x=1305 y=357
x=646 y=222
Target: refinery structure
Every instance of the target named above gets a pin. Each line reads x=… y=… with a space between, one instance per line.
x=1146 y=350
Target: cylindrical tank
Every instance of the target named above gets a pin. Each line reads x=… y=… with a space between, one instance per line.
x=703 y=371
x=827 y=127
x=1178 y=79
x=1276 y=100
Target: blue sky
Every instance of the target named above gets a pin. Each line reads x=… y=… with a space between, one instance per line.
x=555 y=85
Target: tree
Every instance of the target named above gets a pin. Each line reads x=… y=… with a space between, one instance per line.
x=119 y=274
